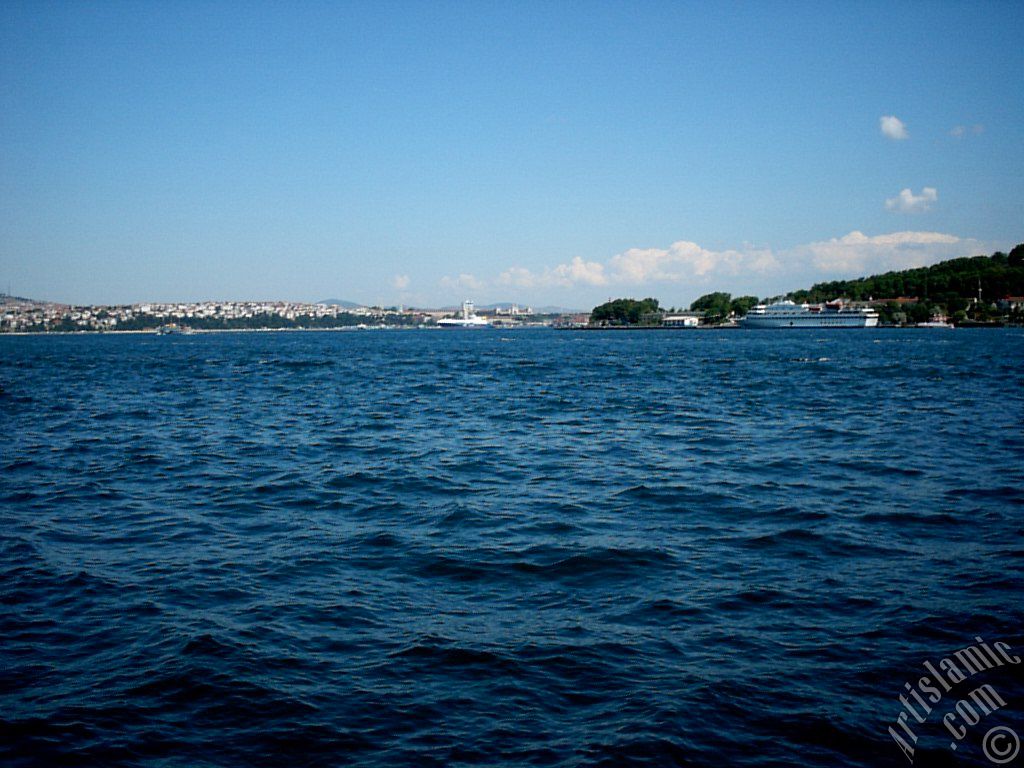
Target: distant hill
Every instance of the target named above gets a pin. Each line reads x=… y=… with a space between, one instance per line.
x=341 y=303
x=552 y=310
x=6 y=298
x=952 y=282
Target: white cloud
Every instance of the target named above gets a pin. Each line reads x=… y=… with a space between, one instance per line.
x=518 y=277
x=908 y=202
x=859 y=254
x=400 y=282
x=576 y=272
x=893 y=127
x=682 y=261
x=688 y=265
x=463 y=281
x=959 y=131
x=580 y=272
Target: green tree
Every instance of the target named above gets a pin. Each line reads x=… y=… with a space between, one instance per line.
x=742 y=304
x=627 y=312
x=891 y=313
x=1016 y=257
x=715 y=306
x=920 y=312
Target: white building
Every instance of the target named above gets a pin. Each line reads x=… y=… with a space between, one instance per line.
x=681 y=321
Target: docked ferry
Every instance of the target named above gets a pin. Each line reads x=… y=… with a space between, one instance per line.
x=469 y=319
x=786 y=314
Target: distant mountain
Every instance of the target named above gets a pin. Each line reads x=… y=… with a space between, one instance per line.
x=552 y=310
x=341 y=303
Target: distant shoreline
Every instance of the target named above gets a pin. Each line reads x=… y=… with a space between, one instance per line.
x=614 y=328
x=649 y=328
x=198 y=331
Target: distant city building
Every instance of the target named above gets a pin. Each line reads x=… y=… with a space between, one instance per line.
x=513 y=311
x=578 y=320
x=21 y=315
x=900 y=300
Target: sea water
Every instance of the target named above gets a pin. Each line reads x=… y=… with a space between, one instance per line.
x=503 y=548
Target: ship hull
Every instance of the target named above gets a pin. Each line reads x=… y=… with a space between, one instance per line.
x=837 y=320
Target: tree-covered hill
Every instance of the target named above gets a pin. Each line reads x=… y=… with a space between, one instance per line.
x=627 y=312
x=952 y=283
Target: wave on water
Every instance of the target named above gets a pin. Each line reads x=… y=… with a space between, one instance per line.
x=526 y=548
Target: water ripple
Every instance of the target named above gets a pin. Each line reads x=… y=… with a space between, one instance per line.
x=533 y=548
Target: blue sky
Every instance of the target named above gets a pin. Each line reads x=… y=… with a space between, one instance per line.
x=549 y=153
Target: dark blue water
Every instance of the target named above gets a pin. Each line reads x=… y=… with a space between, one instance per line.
x=502 y=548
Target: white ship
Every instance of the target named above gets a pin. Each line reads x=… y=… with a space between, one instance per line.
x=786 y=314
x=469 y=319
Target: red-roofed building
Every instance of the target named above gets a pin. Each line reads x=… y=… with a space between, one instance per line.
x=902 y=301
